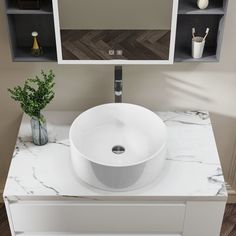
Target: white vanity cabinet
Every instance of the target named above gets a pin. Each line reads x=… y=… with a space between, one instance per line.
x=43 y=196
x=190 y=218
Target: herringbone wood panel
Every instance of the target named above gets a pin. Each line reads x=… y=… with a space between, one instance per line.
x=228 y=227
x=134 y=44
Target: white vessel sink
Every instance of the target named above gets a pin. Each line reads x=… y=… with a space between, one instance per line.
x=118 y=146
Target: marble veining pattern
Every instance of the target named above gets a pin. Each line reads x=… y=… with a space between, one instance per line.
x=192 y=168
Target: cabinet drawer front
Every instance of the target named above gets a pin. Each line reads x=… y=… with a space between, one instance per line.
x=97 y=218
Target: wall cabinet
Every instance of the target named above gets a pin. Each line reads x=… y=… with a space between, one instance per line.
x=105 y=32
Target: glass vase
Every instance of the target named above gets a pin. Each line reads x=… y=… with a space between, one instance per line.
x=39 y=130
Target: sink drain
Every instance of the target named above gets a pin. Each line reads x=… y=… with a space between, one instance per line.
x=118 y=149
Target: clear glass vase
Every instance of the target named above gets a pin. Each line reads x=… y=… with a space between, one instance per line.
x=39 y=130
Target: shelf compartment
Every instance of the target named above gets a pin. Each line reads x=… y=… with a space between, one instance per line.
x=12 y=8
x=184 y=36
x=215 y=7
x=184 y=55
x=22 y=54
x=21 y=27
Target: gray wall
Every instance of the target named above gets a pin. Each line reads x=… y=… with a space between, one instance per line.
x=180 y=86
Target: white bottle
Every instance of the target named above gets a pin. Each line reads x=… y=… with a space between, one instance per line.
x=202 y=4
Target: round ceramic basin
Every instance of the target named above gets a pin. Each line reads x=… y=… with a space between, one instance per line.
x=118 y=146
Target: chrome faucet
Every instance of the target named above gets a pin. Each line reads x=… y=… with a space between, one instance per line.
x=118 y=84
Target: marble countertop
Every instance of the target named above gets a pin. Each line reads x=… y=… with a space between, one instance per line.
x=192 y=170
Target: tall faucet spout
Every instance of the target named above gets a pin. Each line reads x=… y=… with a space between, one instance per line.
x=118 y=84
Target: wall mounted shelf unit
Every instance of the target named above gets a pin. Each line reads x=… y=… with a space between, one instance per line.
x=190 y=16
x=66 y=47
x=22 y=23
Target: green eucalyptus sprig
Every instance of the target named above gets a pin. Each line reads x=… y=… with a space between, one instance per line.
x=35 y=94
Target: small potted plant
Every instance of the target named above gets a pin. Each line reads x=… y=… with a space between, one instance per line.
x=33 y=97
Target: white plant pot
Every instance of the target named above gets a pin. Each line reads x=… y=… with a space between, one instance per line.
x=198 y=44
x=202 y=4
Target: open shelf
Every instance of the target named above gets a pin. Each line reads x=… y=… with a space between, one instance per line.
x=216 y=7
x=184 y=37
x=12 y=8
x=184 y=55
x=21 y=26
x=23 y=54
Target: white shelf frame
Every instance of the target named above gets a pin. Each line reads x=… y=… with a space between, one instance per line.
x=116 y=62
